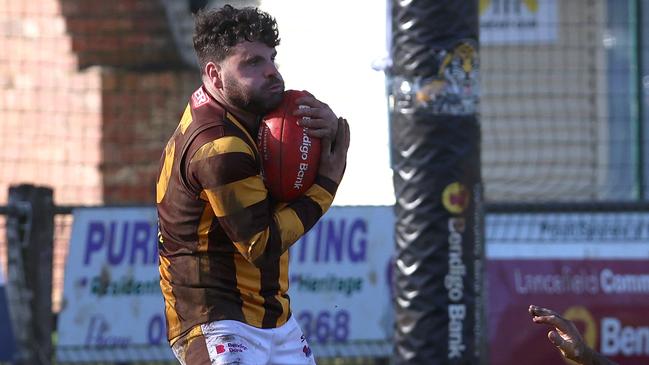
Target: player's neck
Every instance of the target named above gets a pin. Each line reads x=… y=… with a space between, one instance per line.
x=249 y=120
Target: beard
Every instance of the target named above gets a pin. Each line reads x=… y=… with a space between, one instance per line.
x=258 y=102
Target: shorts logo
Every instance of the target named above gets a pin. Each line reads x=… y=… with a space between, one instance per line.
x=199 y=98
x=307 y=351
x=236 y=347
x=455 y=198
x=230 y=347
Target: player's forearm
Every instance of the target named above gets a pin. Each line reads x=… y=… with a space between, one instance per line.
x=292 y=221
x=262 y=235
x=307 y=210
x=592 y=357
x=322 y=193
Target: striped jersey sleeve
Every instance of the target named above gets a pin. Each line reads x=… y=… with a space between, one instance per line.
x=230 y=179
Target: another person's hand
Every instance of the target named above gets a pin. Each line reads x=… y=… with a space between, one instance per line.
x=318 y=117
x=566 y=337
x=333 y=155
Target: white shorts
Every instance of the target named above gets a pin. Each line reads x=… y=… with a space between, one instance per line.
x=233 y=342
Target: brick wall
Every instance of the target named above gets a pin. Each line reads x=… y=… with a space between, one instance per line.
x=140 y=112
x=89 y=93
x=50 y=110
x=122 y=33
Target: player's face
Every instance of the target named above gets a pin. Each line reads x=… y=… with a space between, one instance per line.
x=250 y=78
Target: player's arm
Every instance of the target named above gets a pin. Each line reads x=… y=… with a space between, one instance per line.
x=301 y=214
x=226 y=171
x=318 y=198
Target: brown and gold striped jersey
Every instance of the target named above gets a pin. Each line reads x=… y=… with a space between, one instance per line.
x=223 y=241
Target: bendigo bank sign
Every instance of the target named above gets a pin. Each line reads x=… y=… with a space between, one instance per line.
x=606 y=299
x=598 y=278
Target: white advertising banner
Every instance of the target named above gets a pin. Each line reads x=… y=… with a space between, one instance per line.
x=111 y=294
x=518 y=21
x=338 y=283
x=340 y=276
x=578 y=236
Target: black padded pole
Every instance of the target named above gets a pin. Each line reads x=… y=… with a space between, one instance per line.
x=435 y=138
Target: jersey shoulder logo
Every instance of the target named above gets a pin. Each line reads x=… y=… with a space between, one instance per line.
x=199 y=98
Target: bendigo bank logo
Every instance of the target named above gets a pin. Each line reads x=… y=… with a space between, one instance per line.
x=615 y=337
x=455 y=198
x=585 y=323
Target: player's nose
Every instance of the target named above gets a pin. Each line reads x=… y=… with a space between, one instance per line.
x=271 y=70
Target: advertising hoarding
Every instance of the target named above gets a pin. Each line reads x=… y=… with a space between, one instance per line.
x=518 y=22
x=593 y=268
x=339 y=278
x=112 y=298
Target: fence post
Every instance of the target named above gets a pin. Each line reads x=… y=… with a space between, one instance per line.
x=30 y=241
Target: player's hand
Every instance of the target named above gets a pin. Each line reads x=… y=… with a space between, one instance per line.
x=565 y=336
x=317 y=116
x=333 y=155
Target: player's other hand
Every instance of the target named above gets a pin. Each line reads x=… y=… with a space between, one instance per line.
x=317 y=116
x=333 y=156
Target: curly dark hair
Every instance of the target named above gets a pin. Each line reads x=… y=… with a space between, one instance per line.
x=218 y=30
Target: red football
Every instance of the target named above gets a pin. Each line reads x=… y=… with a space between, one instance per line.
x=290 y=158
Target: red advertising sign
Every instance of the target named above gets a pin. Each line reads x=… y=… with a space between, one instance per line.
x=608 y=300
x=592 y=267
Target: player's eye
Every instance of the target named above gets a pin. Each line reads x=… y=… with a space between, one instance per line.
x=254 y=61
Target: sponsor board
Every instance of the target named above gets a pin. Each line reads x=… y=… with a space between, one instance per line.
x=112 y=296
x=591 y=267
x=339 y=277
x=456 y=198
x=518 y=21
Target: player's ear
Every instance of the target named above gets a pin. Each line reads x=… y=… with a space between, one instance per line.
x=213 y=74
